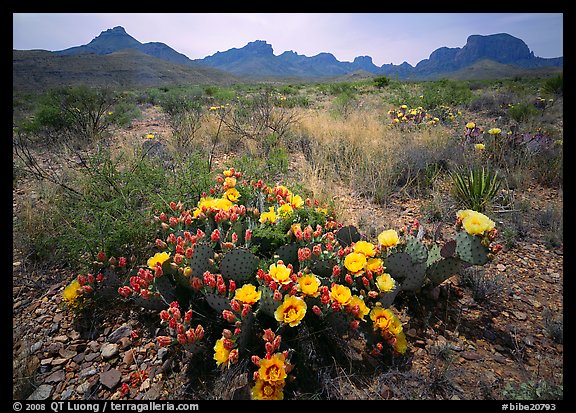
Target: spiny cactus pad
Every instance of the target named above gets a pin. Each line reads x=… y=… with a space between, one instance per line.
x=444 y=268
x=238 y=265
x=217 y=302
x=201 y=260
x=416 y=250
x=267 y=304
x=398 y=265
x=388 y=298
x=470 y=249
x=289 y=254
x=348 y=235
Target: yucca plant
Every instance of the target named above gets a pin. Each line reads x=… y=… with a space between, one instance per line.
x=475 y=187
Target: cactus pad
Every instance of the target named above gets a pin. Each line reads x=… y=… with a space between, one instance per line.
x=200 y=261
x=289 y=254
x=267 y=304
x=386 y=299
x=398 y=265
x=217 y=302
x=416 y=250
x=469 y=248
x=239 y=265
x=348 y=235
x=448 y=249
x=441 y=270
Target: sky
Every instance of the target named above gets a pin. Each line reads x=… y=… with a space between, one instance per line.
x=386 y=37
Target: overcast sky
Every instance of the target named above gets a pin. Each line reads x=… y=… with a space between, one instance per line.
x=386 y=37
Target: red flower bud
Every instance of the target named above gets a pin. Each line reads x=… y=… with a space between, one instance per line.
x=101 y=256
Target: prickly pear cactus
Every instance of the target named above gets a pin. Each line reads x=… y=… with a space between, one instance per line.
x=398 y=265
x=267 y=304
x=440 y=268
x=386 y=299
x=239 y=265
x=348 y=235
x=202 y=260
x=193 y=348
x=289 y=254
x=217 y=302
x=469 y=248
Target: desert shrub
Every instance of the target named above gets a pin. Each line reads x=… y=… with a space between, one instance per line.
x=446 y=92
x=184 y=110
x=522 y=112
x=554 y=85
x=109 y=210
x=381 y=81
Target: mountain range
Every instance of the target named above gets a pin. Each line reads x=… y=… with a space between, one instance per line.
x=113 y=51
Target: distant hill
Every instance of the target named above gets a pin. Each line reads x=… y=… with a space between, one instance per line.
x=257 y=59
x=115 y=39
x=114 y=58
x=489 y=69
x=40 y=70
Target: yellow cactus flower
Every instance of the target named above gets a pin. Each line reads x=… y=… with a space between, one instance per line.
x=340 y=294
x=309 y=285
x=291 y=311
x=363 y=309
x=388 y=238
x=266 y=390
x=355 y=262
x=72 y=292
x=475 y=223
x=280 y=273
x=385 y=283
x=269 y=216
x=381 y=318
x=247 y=294
x=470 y=125
x=232 y=195
x=285 y=211
x=158 y=258
x=480 y=147
x=375 y=265
x=221 y=353
x=364 y=247
x=273 y=369
x=495 y=131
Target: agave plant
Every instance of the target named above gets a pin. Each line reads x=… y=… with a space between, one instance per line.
x=476 y=187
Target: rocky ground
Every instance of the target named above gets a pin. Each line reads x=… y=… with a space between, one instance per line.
x=470 y=338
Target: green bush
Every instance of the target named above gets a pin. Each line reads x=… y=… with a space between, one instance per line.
x=522 y=112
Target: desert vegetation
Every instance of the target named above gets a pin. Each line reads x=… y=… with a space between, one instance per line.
x=259 y=231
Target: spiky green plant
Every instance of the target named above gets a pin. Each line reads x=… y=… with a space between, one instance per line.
x=475 y=188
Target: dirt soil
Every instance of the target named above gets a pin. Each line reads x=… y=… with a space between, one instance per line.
x=460 y=345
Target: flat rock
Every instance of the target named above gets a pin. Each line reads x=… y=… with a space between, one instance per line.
x=56 y=377
x=43 y=392
x=123 y=331
x=470 y=355
x=109 y=350
x=110 y=378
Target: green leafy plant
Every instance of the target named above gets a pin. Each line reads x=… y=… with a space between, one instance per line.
x=475 y=188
